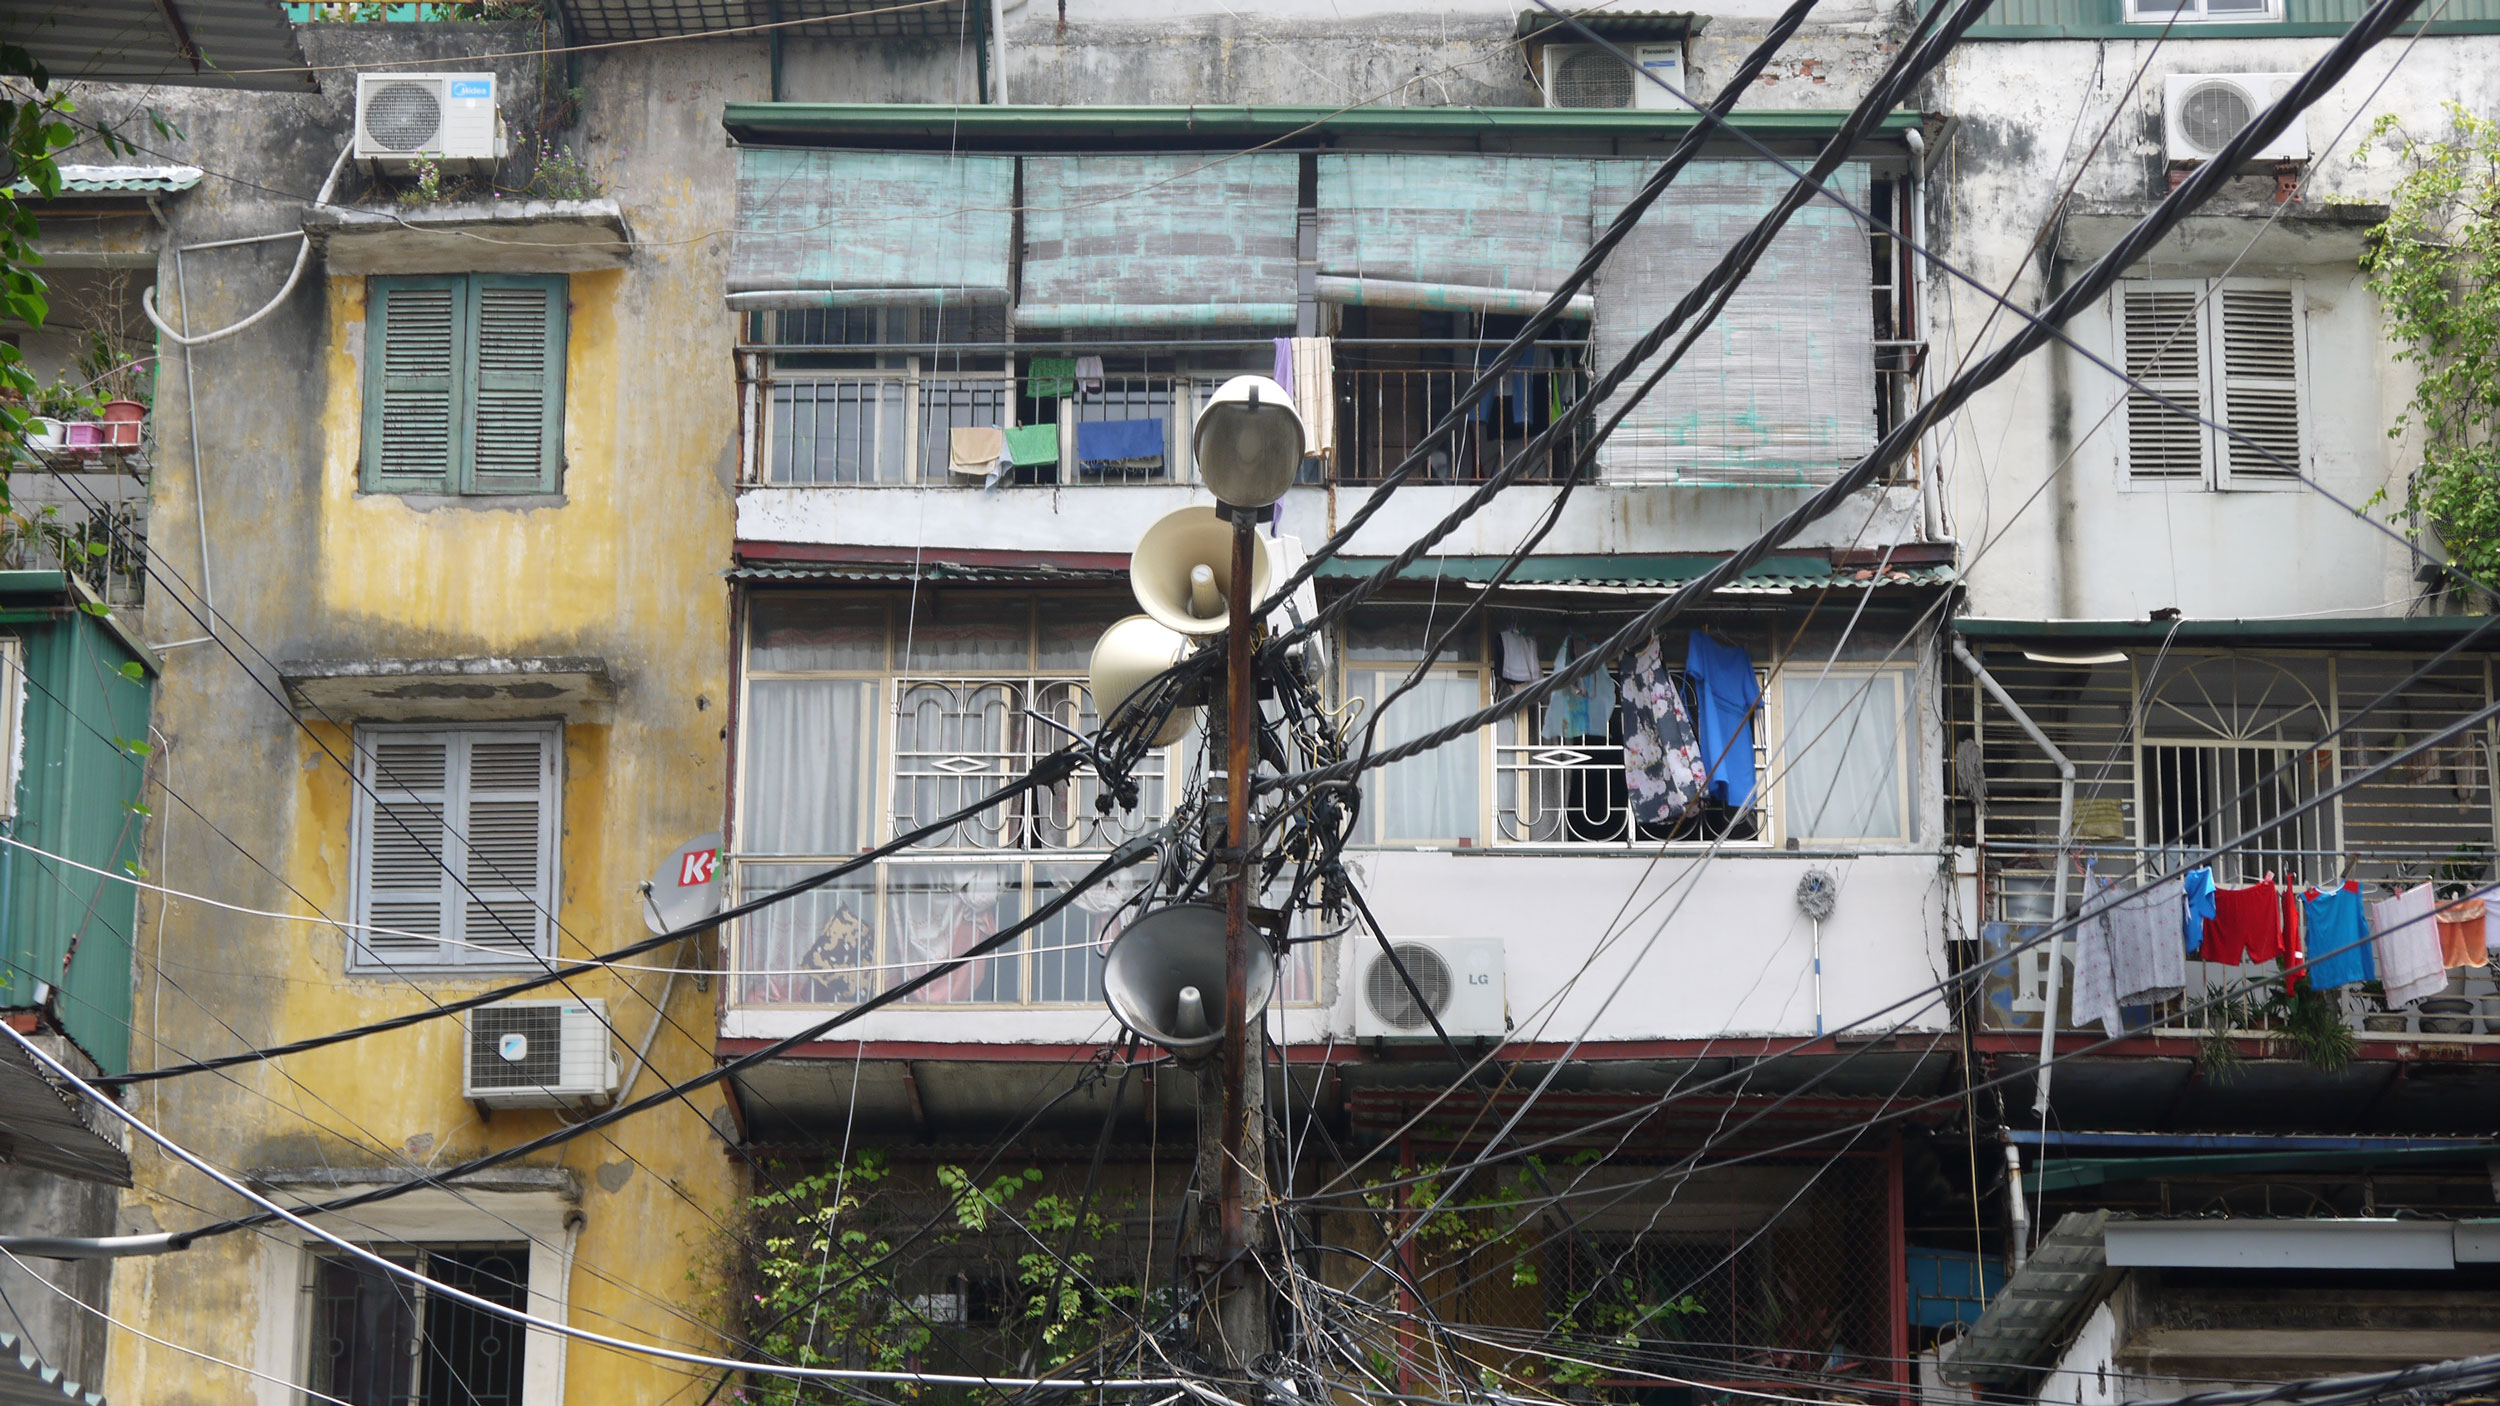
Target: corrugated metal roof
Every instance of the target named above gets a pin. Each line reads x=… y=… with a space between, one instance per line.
x=967 y=128
x=89 y=180
x=44 y=1129
x=606 y=21
x=25 y=1381
x=1647 y=575
x=1612 y=24
x=927 y=571
x=246 y=44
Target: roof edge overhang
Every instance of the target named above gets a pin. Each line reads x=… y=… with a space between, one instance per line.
x=1017 y=126
x=2361 y=631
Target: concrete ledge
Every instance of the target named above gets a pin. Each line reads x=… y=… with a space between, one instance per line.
x=2220 y=235
x=450 y=690
x=522 y=236
x=327 y=1181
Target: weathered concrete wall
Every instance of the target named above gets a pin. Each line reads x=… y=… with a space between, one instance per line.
x=1385 y=53
x=2090 y=545
x=622 y=566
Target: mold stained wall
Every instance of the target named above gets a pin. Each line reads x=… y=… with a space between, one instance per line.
x=1391 y=52
x=624 y=567
x=2091 y=546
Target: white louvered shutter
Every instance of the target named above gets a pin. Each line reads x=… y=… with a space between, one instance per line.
x=508 y=805
x=415 y=359
x=2259 y=379
x=400 y=843
x=516 y=429
x=2159 y=326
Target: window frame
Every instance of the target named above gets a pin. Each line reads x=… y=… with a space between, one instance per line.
x=449 y=955
x=1033 y=865
x=1789 y=812
x=2196 y=12
x=2214 y=474
x=459 y=477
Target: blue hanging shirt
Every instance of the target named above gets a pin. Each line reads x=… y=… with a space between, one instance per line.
x=1724 y=686
x=2200 y=905
x=2339 y=938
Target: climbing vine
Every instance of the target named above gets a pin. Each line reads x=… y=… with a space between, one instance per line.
x=2435 y=264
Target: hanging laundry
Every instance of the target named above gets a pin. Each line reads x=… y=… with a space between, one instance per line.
x=1662 y=769
x=2339 y=938
x=1519 y=662
x=2146 y=963
x=975 y=449
x=1119 y=444
x=1513 y=386
x=2461 y=933
x=2292 y=925
x=1050 y=377
x=2095 y=995
x=2405 y=943
x=1582 y=707
x=1282 y=373
x=1315 y=394
x=1089 y=375
x=1727 y=696
x=1028 y=445
x=2248 y=924
x=2199 y=884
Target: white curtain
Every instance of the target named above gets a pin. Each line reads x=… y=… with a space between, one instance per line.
x=1432 y=797
x=807 y=765
x=1842 y=752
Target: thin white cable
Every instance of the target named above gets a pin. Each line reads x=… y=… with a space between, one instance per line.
x=69 y=1079
x=303 y=256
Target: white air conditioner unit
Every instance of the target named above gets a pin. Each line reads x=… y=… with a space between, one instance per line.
x=2202 y=111
x=1590 y=75
x=539 y=1054
x=1460 y=978
x=450 y=118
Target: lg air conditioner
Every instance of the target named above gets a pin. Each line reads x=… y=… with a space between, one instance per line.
x=539 y=1054
x=448 y=118
x=1460 y=979
x=2200 y=112
x=1591 y=75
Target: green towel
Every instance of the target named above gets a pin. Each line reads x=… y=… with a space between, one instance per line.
x=1050 y=377
x=1033 y=444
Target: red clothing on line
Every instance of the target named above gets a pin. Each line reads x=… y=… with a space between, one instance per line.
x=2247 y=923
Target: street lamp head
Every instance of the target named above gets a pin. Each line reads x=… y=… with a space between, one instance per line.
x=1249 y=441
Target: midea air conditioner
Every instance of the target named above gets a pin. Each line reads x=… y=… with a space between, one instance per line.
x=1589 y=75
x=2202 y=111
x=1460 y=978
x=404 y=118
x=539 y=1054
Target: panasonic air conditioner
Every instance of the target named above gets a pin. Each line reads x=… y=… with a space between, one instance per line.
x=539 y=1054
x=2200 y=112
x=449 y=118
x=1460 y=979
x=1591 y=75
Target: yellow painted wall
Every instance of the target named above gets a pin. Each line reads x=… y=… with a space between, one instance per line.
x=627 y=569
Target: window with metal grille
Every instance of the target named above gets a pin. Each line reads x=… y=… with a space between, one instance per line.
x=2232 y=351
x=464 y=384
x=455 y=845
x=380 y=1339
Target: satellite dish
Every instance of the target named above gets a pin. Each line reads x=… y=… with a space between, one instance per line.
x=686 y=887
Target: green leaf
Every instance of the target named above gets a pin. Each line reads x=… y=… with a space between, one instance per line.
x=96 y=609
x=135 y=671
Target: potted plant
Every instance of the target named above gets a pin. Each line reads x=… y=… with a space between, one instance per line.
x=121 y=381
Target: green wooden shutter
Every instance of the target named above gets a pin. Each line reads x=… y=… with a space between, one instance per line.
x=416 y=334
x=516 y=384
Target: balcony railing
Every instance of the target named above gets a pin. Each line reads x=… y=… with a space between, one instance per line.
x=1382 y=415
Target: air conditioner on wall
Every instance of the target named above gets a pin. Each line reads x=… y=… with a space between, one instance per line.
x=1460 y=978
x=450 y=118
x=2202 y=111
x=1590 y=75
x=539 y=1054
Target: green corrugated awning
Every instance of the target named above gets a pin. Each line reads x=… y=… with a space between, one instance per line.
x=1038 y=127
x=1604 y=573
x=2347 y=632
x=2067 y=1173
x=1627 y=25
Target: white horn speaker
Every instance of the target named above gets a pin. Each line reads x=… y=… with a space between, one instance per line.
x=1183 y=565
x=1128 y=655
x=1164 y=978
x=1248 y=442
